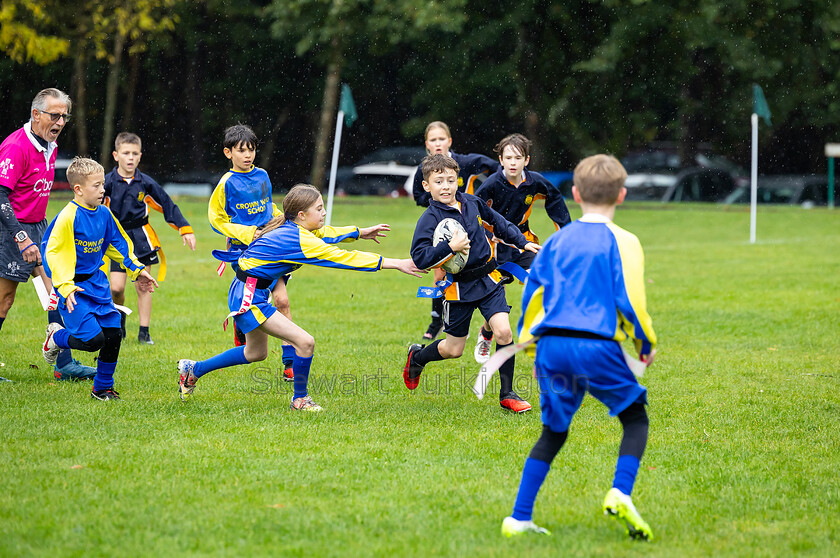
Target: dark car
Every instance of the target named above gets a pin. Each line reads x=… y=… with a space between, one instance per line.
x=694 y=184
x=806 y=190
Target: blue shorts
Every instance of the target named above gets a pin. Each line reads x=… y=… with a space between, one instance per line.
x=261 y=306
x=88 y=317
x=568 y=367
x=457 y=315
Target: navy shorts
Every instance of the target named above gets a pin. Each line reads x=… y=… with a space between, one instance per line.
x=457 y=315
x=12 y=266
x=568 y=367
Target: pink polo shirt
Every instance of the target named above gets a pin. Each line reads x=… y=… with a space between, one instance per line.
x=28 y=170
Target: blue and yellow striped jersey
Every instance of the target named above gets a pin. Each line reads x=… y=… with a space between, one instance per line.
x=240 y=203
x=74 y=244
x=589 y=276
x=286 y=248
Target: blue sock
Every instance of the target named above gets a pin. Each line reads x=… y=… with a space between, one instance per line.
x=301 y=369
x=231 y=357
x=62 y=339
x=533 y=475
x=288 y=356
x=104 y=378
x=625 y=473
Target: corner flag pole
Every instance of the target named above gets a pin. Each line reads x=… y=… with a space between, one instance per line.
x=753 y=176
x=346 y=115
x=339 y=124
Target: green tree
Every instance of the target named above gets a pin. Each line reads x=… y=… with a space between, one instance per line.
x=25 y=33
x=333 y=30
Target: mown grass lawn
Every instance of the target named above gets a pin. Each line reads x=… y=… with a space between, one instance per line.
x=744 y=408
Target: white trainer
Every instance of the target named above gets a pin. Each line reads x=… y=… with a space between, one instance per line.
x=50 y=349
x=482 y=349
x=512 y=527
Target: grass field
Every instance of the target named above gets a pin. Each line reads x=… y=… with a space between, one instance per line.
x=744 y=408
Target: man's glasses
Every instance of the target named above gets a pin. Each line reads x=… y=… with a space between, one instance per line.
x=54 y=116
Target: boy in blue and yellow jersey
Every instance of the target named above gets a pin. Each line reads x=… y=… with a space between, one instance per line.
x=512 y=191
x=73 y=247
x=477 y=286
x=472 y=169
x=293 y=239
x=129 y=194
x=585 y=294
x=240 y=205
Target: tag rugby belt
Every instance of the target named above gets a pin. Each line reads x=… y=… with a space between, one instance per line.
x=261 y=283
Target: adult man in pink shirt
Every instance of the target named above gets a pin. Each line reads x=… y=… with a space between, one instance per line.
x=27 y=171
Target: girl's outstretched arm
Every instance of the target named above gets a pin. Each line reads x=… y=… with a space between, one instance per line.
x=406 y=266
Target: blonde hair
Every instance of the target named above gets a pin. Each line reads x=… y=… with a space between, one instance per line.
x=437 y=124
x=81 y=168
x=300 y=198
x=599 y=179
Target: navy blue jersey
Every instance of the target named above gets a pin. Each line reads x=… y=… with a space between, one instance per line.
x=472 y=166
x=515 y=203
x=476 y=217
x=130 y=201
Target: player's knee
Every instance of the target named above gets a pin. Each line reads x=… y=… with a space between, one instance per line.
x=255 y=354
x=305 y=348
x=635 y=414
x=6 y=301
x=282 y=304
x=94 y=344
x=451 y=350
x=548 y=444
x=504 y=337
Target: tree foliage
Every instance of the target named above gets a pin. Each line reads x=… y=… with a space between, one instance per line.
x=577 y=76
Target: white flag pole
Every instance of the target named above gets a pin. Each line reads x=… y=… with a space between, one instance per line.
x=753 y=177
x=339 y=123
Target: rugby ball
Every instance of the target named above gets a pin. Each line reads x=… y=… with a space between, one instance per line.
x=443 y=233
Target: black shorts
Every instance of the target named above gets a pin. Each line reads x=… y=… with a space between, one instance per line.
x=148 y=259
x=457 y=315
x=12 y=266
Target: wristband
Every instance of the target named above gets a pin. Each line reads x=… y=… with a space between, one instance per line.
x=27 y=247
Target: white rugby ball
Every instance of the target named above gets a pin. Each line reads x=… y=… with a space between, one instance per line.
x=443 y=233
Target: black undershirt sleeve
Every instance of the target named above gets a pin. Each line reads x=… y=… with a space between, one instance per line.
x=7 y=214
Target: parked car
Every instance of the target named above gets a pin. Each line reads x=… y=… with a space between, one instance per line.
x=385 y=172
x=192 y=183
x=693 y=184
x=378 y=179
x=806 y=190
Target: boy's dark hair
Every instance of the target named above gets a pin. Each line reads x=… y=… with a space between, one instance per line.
x=438 y=163
x=127 y=137
x=517 y=141
x=599 y=179
x=240 y=133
